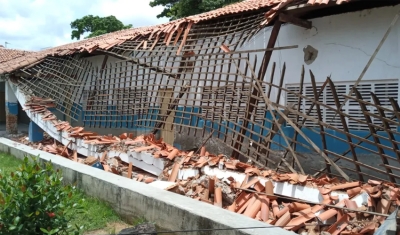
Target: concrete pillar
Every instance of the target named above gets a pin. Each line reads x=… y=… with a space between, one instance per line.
x=35 y=132
x=11 y=111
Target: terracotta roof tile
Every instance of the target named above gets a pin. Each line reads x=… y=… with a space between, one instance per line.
x=109 y=40
x=347 y=216
x=9 y=54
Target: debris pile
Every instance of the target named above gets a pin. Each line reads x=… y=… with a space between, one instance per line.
x=344 y=208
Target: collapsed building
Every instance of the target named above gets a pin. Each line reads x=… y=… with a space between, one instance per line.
x=303 y=93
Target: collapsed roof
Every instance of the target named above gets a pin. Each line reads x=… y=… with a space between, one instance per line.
x=178 y=27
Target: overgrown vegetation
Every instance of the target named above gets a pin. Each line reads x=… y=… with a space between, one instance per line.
x=96 y=26
x=33 y=200
x=175 y=9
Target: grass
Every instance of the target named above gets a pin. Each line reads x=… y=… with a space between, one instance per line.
x=98 y=214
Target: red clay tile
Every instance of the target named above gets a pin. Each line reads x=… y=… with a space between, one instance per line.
x=281 y=212
x=173 y=154
x=339 y=226
x=264 y=208
x=252 y=171
x=201 y=162
x=230 y=165
x=382 y=207
x=368 y=228
x=123 y=136
x=327 y=214
x=253 y=208
x=350 y=204
x=324 y=191
x=295 y=223
x=298 y=206
x=129 y=175
x=232 y=207
x=242 y=208
x=211 y=185
x=354 y=191
x=143 y=148
x=250 y=183
x=259 y=187
x=284 y=220
x=346 y=185
x=140 y=177
x=303 y=178
x=203 y=151
x=374 y=182
x=269 y=190
x=174 y=173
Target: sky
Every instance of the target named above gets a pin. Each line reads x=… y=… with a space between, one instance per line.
x=37 y=24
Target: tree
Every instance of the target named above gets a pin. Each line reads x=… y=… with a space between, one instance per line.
x=175 y=9
x=96 y=26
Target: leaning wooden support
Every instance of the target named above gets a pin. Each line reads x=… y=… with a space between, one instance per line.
x=255 y=92
x=171 y=107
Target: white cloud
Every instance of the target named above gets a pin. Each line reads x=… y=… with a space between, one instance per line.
x=37 y=24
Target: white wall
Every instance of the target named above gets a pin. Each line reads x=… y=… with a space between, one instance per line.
x=344 y=42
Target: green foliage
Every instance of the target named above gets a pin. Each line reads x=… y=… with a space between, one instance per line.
x=139 y=220
x=96 y=26
x=175 y=9
x=33 y=200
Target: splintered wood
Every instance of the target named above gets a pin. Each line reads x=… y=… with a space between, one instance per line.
x=220 y=89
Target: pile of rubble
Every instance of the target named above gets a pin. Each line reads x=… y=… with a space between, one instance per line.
x=253 y=196
x=339 y=207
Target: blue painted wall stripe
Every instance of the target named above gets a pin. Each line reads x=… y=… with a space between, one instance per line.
x=12 y=108
x=191 y=116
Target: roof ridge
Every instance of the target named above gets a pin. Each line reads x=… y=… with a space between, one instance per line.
x=168 y=29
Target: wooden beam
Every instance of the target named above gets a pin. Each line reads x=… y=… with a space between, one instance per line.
x=255 y=93
x=135 y=61
x=285 y=18
x=171 y=107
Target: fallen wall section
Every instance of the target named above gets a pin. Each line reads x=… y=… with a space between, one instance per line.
x=131 y=199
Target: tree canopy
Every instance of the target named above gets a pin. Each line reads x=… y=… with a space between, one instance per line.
x=96 y=26
x=175 y=9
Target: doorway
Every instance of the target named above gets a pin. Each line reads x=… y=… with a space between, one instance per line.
x=2 y=102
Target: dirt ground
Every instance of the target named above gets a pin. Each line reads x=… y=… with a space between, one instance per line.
x=112 y=228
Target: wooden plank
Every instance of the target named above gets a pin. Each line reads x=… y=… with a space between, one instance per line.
x=167 y=133
x=130 y=171
x=270 y=104
x=322 y=132
x=345 y=127
x=386 y=125
x=373 y=131
x=286 y=18
x=171 y=108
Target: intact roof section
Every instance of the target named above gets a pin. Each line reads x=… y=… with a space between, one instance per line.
x=9 y=54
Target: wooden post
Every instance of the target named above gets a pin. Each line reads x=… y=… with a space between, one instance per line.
x=253 y=101
x=167 y=133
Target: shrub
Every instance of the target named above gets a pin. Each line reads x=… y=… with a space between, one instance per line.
x=33 y=200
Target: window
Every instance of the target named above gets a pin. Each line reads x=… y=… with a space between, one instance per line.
x=383 y=89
